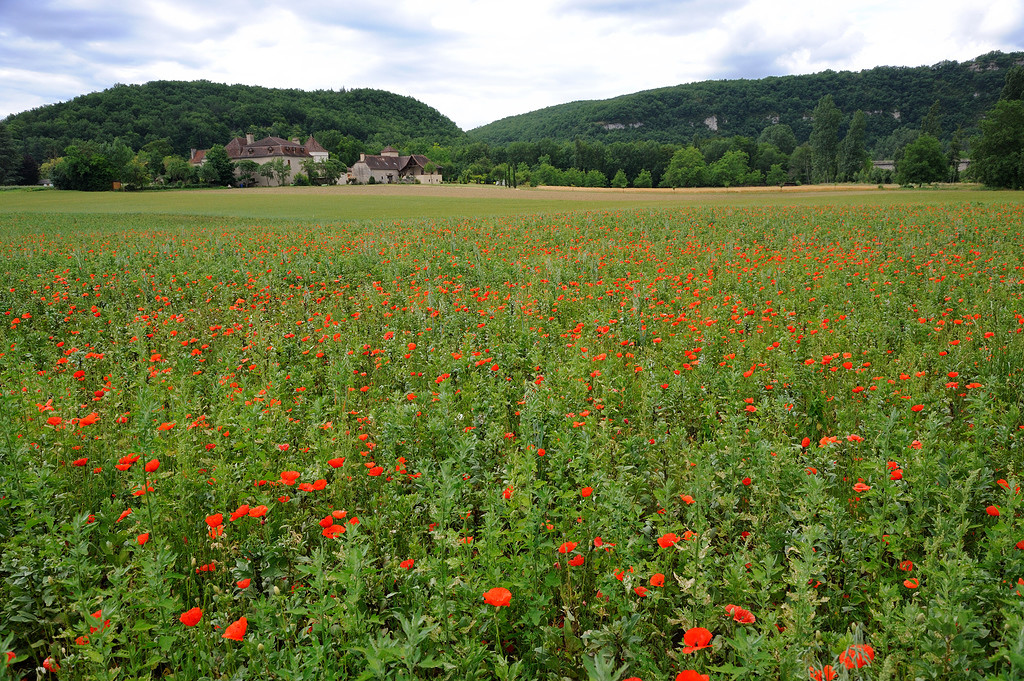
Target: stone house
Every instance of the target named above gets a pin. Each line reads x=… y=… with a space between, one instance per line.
x=292 y=152
x=389 y=167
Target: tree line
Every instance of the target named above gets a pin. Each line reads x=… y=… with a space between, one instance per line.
x=835 y=149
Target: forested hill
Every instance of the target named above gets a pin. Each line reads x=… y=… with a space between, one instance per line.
x=892 y=97
x=199 y=114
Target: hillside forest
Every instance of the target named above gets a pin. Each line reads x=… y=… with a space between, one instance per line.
x=819 y=128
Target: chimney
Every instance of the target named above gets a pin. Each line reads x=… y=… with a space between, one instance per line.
x=295 y=140
x=192 y=155
x=249 y=139
x=362 y=157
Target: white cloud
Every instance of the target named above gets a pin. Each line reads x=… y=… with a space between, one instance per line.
x=476 y=60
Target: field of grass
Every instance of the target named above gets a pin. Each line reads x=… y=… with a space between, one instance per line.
x=458 y=436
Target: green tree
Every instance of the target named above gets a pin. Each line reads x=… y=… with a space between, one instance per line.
x=247 y=170
x=922 y=162
x=10 y=158
x=777 y=176
x=620 y=181
x=852 y=155
x=83 y=168
x=332 y=169
x=800 y=164
x=932 y=123
x=177 y=169
x=780 y=135
x=1013 y=88
x=311 y=167
x=954 y=155
x=686 y=169
x=595 y=178
x=643 y=180
x=825 y=139
x=135 y=174
x=997 y=157
x=730 y=171
x=222 y=170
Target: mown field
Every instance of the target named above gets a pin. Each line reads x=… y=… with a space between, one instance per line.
x=739 y=437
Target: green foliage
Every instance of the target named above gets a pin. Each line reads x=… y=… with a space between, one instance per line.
x=84 y=168
x=674 y=115
x=781 y=136
x=824 y=140
x=199 y=114
x=923 y=161
x=597 y=410
x=852 y=156
x=777 y=175
x=10 y=157
x=620 y=181
x=997 y=157
x=643 y=180
x=217 y=167
x=686 y=169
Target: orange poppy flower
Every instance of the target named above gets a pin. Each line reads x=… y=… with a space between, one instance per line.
x=243 y=583
x=142 y=538
x=152 y=466
x=992 y=510
x=667 y=540
x=826 y=673
x=258 y=511
x=691 y=675
x=236 y=630
x=498 y=597
x=215 y=520
x=857 y=655
x=696 y=638
x=165 y=426
x=586 y=492
x=190 y=618
x=567 y=547
x=658 y=579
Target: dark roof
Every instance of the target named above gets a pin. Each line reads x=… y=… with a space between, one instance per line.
x=399 y=163
x=268 y=146
x=312 y=145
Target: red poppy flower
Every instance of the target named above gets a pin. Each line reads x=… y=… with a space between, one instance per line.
x=80 y=462
x=586 y=492
x=741 y=615
x=289 y=477
x=89 y=420
x=498 y=597
x=658 y=579
x=640 y=591
x=992 y=510
x=896 y=475
x=54 y=421
x=215 y=520
x=165 y=426
x=336 y=463
x=911 y=583
x=691 y=675
x=576 y=560
x=917 y=407
x=242 y=510
x=667 y=540
x=696 y=638
x=236 y=630
x=907 y=565
x=375 y=471
x=747 y=481
x=407 y=564
x=861 y=487
x=258 y=511
x=687 y=499
x=152 y=466
x=124 y=514
x=243 y=583
x=857 y=655
x=567 y=547
x=826 y=673
x=142 y=538
x=190 y=618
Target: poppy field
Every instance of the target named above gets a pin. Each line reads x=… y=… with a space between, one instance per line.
x=662 y=443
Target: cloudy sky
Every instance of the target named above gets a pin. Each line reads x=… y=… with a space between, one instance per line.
x=476 y=60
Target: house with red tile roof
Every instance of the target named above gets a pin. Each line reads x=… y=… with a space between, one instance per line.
x=390 y=167
x=266 y=150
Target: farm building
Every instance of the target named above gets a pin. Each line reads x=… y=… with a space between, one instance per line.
x=292 y=152
x=389 y=167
